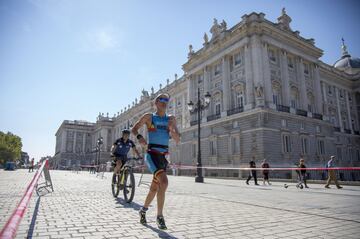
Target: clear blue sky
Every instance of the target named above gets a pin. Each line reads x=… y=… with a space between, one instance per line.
x=70 y=59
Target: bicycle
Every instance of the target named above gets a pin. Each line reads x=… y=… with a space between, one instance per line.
x=125 y=181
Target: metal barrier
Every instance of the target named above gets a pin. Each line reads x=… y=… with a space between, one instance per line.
x=10 y=228
x=101 y=170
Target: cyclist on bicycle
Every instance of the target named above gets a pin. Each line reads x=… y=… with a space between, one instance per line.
x=119 y=151
x=160 y=127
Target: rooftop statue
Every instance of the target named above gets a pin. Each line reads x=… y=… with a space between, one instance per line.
x=206 y=39
x=215 y=29
x=145 y=93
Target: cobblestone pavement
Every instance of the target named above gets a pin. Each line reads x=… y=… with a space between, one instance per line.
x=82 y=206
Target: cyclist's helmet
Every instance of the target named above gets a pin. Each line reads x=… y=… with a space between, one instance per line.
x=126 y=131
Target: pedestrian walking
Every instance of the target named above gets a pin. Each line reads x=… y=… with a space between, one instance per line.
x=252 y=173
x=265 y=165
x=302 y=167
x=331 y=173
x=31 y=166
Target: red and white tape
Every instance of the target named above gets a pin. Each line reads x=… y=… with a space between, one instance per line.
x=10 y=228
x=269 y=169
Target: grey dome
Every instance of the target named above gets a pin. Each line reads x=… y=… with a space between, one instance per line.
x=350 y=65
x=347 y=61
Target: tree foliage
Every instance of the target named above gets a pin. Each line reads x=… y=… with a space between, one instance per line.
x=10 y=147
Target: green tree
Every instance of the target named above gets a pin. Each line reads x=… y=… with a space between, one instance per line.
x=10 y=147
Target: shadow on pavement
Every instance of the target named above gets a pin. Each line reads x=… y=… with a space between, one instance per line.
x=162 y=234
x=132 y=205
x=33 y=220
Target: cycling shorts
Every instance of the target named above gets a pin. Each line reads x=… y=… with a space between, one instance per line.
x=156 y=162
x=123 y=159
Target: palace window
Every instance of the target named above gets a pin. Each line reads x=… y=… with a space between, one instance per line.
x=320 y=147
x=344 y=121
x=294 y=97
x=237 y=59
x=239 y=99
x=272 y=56
x=275 y=99
x=311 y=102
x=350 y=154
x=235 y=145
x=302 y=125
x=217 y=108
x=217 y=69
x=286 y=143
x=310 y=109
x=193 y=150
x=329 y=90
x=304 y=145
x=200 y=78
x=212 y=147
x=339 y=153
x=306 y=69
x=290 y=62
x=276 y=91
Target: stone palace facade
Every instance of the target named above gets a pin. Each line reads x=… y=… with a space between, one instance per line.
x=271 y=97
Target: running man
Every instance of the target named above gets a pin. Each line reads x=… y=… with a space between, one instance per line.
x=160 y=127
x=120 y=150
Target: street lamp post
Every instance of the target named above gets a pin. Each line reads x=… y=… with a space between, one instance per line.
x=99 y=143
x=199 y=106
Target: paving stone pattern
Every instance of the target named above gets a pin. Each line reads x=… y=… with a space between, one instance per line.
x=82 y=206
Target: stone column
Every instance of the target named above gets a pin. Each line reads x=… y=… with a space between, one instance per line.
x=326 y=113
x=257 y=67
x=250 y=99
x=301 y=80
x=225 y=85
x=357 y=120
x=63 y=141
x=348 y=111
x=318 y=100
x=267 y=77
x=207 y=73
x=190 y=89
x=339 y=109
x=74 y=143
x=285 y=86
x=183 y=111
x=84 y=141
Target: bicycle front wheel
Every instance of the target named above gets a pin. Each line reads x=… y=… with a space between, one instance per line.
x=115 y=186
x=129 y=186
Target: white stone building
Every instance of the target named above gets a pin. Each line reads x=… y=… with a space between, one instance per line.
x=271 y=97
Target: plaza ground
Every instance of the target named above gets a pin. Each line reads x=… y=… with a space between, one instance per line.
x=82 y=206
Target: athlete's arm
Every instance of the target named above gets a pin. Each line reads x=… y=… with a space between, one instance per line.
x=134 y=149
x=113 y=148
x=173 y=130
x=137 y=152
x=145 y=119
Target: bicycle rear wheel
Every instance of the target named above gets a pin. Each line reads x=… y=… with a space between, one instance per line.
x=115 y=186
x=129 y=186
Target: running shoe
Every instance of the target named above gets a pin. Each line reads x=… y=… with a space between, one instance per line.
x=160 y=221
x=142 y=217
